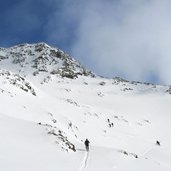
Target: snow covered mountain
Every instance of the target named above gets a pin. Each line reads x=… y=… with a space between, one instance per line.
x=50 y=104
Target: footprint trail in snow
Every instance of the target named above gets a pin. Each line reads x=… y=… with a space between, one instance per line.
x=84 y=162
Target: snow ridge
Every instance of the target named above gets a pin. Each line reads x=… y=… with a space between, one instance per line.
x=50 y=104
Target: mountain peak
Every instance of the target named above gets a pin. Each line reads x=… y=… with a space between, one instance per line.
x=40 y=57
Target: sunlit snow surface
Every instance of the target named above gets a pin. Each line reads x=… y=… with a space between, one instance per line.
x=45 y=117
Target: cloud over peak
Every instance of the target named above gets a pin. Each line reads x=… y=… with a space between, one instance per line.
x=129 y=39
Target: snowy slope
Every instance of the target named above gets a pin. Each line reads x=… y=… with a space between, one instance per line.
x=50 y=104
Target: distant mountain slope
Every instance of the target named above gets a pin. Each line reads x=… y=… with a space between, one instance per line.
x=49 y=104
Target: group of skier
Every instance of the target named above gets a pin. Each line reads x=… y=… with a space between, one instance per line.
x=87 y=142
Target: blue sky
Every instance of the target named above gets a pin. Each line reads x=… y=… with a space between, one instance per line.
x=25 y=20
x=126 y=38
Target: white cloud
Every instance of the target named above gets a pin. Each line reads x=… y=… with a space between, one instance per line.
x=124 y=38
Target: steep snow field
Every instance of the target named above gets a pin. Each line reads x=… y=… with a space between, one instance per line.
x=45 y=117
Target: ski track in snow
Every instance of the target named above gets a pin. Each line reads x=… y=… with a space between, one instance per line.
x=84 y=162
x=146 y=151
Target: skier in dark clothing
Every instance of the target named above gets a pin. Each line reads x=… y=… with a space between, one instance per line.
x=158 y=143
x=87 y=144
